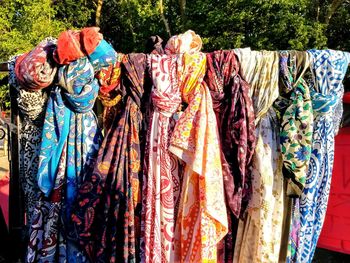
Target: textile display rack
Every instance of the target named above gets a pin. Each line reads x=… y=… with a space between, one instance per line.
x=223 y=156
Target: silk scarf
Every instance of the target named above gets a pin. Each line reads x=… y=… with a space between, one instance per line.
x=107 y=216
x=259 y=234
x=328 y=71
x=161 y=181
x=70 y=141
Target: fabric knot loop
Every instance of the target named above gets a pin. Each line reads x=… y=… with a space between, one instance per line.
x=166 y=103
x=323 y=104
x=36 y=70
x=81 y=87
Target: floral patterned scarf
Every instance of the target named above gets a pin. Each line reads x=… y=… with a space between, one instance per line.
x=295 y=109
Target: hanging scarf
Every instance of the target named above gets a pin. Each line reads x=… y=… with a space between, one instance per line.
x=297 y=119
x=328 y=68
x=235 y=118
x=75 y=44
x=234 y=112
x=161 y=183
x=259 y=235
x=69 y=143
x=107 y=217
x=32 y=105
x=202 y=219
x=188 y=42
x=36 y=70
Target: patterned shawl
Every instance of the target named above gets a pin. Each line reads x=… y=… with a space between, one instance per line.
x=36 y=70
x=297 y=119
x=235 y=116
x=32 y=105
x=188 y=42
x=259 y=235
x=69 y=144
x=107 y=217
x=328 y=70
x=161 y=180
x=202 y=219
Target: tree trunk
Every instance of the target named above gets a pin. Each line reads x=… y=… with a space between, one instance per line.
x=98 y=12
x=332 y=9
x=165 y=21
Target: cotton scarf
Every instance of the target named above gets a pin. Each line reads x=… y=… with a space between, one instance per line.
x=107 y=217
x=32 y=105
x=162 y=182
x=36 y=70
x=259 y=234
x=202 y=218
x=235 y=117
x=328 y=71
x=295 y=109
x=70 y=140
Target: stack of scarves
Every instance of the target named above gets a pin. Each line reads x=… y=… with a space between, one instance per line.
x=328 y=68
x=259 y=234
x=235 y=117
x=70 y=141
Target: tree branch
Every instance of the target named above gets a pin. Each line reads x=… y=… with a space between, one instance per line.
x=332 y=9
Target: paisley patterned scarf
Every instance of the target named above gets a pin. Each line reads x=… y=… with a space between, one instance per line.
x=259 y=235
x=32 y=105
x=70 y=140
x=328 y=68
x=107 y=218
x=202 y=219
x=161 y=181
x=295 y=109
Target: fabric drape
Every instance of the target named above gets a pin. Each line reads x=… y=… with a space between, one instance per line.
x=202 y=219
x=161 y=181
x=107 y=218
x=328 y=71
x=70 y=140
x=259 y=234
x=295 y=109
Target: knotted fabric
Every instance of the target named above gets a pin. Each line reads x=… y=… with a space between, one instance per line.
x=235 y=117
x=328 y=71
x=36 y=70
x=259 y=234
x=161 y=182
x=75 y=44
x=202 y=219
x=107 y=218
x=70 y=140
x=188 y=42
x=295 y=108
